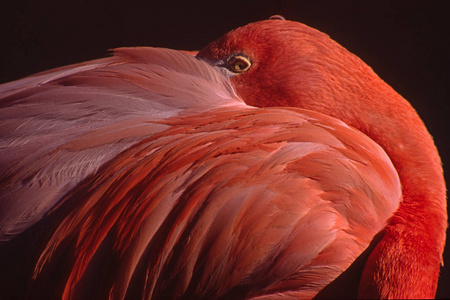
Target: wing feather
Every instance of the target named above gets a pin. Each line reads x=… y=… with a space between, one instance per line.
x=148 y=164
x=209 y=210
x=58 y=127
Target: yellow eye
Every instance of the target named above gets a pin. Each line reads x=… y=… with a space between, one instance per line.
x=239 y=63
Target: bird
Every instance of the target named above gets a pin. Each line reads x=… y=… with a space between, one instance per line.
x=271 y=164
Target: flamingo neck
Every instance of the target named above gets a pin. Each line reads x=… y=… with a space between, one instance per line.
x=406 y=262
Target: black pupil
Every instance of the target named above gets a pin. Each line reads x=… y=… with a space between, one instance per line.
x=240 y=65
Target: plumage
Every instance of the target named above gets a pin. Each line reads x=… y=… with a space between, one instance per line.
x=59 y=127
x=151 y=174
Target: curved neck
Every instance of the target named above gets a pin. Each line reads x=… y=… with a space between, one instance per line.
x=406 y=262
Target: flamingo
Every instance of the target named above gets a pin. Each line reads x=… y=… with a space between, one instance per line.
x=272 y=165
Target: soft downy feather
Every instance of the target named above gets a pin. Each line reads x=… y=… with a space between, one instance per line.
x=59 y=126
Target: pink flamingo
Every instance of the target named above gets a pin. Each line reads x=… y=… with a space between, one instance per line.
x=275 y=165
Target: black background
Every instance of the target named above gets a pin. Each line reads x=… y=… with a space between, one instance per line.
x=406 y=42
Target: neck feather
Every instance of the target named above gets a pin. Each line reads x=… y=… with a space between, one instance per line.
x=406 y=262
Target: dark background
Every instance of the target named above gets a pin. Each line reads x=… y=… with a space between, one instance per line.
x=406 y=42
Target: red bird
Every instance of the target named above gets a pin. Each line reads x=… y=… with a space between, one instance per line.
x=275 y=165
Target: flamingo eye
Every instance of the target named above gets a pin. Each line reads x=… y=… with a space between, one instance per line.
x=239 y=63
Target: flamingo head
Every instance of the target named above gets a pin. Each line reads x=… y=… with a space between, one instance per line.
x=277 y=62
